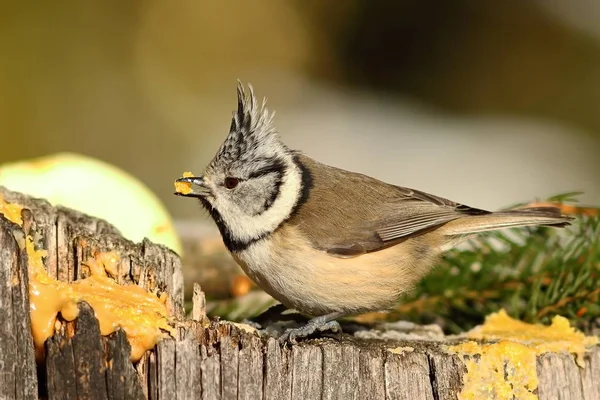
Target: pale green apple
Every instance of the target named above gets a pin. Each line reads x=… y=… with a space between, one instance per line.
x=98 y=189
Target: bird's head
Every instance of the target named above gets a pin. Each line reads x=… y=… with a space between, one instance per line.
x=253 y=182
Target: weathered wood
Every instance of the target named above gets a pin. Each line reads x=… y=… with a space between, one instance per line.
x=277 y=372
x=17 y=361
x=70 y=237
x=122 y=380
x=165 y=368
x=307 y=376
x=250 y=366
x=446 y=375
x=561 y=378
x=210 y=359
x=340 y=371
x=188 y=378
x=86 y=353
x=198 y=304
x=210 y=368
x=407 y=376
x=590 y=374
x=148 y=372
x=87 y=366
x=371 y=381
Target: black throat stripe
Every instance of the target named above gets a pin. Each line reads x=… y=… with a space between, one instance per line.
x=232 y=244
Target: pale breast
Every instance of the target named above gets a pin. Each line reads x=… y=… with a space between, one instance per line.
x=316 y=283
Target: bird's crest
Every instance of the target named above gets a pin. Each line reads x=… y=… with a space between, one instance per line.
x=251 y=118
x=252 y=131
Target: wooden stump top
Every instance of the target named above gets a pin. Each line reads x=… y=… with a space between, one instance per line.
x=210 y=359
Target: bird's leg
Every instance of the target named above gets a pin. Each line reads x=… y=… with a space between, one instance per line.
x=318 y=324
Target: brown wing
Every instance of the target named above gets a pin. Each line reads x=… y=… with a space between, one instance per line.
x=348 y=214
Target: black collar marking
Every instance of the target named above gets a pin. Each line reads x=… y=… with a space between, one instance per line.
x=235 y=245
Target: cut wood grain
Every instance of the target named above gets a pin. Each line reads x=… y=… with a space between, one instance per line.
x=209 y=359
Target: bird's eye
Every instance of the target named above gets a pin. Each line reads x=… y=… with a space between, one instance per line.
x=231 y=183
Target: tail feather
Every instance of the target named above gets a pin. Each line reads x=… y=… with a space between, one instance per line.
x=533 y=216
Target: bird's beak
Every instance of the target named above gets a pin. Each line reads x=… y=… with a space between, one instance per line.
x=191 y=186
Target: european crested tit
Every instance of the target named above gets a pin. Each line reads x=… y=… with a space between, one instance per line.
x=325 y=241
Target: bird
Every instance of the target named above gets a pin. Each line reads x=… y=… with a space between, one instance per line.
x=325 y=241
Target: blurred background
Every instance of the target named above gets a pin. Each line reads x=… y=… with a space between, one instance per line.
x=485 y=102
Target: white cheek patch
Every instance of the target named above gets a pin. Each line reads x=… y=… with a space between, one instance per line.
x=245 y=228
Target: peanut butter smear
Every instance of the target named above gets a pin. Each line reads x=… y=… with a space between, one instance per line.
x=507 y=369
x=184 y=187
x=12 y=212
x=142 y=315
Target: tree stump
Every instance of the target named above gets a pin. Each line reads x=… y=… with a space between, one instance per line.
x=210 y=359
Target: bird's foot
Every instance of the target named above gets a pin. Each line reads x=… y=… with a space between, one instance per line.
x=319 y=324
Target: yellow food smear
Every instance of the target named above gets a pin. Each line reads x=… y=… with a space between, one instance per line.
x=12 y=212
x=142 y=315
x=507 y=368
x=184 y=187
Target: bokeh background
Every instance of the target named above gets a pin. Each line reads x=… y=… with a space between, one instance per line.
x=485 y=102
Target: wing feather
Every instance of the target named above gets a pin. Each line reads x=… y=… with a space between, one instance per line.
x=348 y=214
